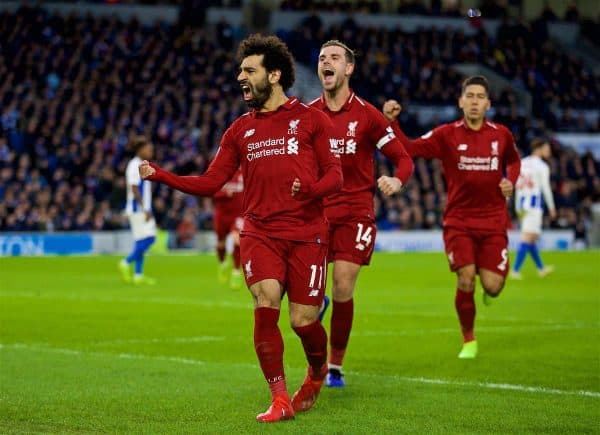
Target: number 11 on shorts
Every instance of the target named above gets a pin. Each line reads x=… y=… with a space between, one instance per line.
x=313 y=275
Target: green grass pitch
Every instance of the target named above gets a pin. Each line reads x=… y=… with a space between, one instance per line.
x=82 y=352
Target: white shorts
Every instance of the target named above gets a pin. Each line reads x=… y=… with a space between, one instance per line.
x=531 y=222
x=141 y=228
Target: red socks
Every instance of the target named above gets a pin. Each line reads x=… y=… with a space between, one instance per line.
x=268 y=344
x=236 y=257
x=314 y=341
x=341 y=325
x=465 y=308
x=221 y=254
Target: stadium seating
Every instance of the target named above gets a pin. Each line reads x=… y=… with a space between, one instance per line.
x=78 y=88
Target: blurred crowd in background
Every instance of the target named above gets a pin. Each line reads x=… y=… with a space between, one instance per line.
x=74 y=91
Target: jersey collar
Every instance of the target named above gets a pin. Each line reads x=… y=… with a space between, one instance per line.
x=288 y=105
x=347 y=105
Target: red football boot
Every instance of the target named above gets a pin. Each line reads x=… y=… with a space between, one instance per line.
x=280 y=409
x=306 y=396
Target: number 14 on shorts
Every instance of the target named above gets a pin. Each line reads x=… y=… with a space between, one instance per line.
x=363 y=237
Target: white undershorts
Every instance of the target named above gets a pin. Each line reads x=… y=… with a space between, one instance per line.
x=141 y=228
x=531 y=222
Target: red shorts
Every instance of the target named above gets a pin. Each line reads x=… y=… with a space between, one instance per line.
x=224 y=223
x=300 y=267
x=352 y=241
x=485 y=249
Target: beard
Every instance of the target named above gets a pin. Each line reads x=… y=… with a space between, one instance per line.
x=260 y=94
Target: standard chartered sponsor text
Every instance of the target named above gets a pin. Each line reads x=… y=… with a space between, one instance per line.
x=264 y=148
x=475 y=163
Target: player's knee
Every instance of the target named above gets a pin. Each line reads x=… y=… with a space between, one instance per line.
x=342 y=290
x=303 y=318
x=493 y=288
x=466 y=280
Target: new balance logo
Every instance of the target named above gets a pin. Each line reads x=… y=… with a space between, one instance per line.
x=294 y=126
x=462 y=147
x=314 y=293
x=248 y=268
x=292 y=146
x=249 y=133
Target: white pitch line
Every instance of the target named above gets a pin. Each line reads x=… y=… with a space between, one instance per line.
x=419 y=380
x=198 y=339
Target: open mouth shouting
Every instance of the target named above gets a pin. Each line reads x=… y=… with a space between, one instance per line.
x=246 y=91
x=328 y=75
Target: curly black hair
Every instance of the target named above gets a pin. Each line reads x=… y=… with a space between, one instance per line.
x=277 y=56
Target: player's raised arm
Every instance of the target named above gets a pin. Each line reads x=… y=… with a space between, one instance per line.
x=427 y=146
x=221 y=169
x=386 y=141
x=330 y=167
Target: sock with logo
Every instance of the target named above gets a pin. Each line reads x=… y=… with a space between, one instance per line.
x=268 y=344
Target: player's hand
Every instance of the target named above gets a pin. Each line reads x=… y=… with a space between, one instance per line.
x=148 y=215
x=296 y=186
x=506 y=187
x=389 y=185
x=146 y=170
x=552 y=214
x=391 y=110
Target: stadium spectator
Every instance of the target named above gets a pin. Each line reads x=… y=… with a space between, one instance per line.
x=78 y=88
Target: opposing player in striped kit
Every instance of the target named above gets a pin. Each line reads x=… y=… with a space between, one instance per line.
x=139 y=212
x=533 y=189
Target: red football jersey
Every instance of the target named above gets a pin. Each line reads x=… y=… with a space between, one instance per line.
x=230 y=199
x=474 y=163
x=273 y=149
x=359 y=129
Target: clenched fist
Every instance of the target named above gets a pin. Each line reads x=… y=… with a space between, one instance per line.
x=506 y=187
x=389 y=185
x=391 y=110
x=146 y=170
x=296 y=186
